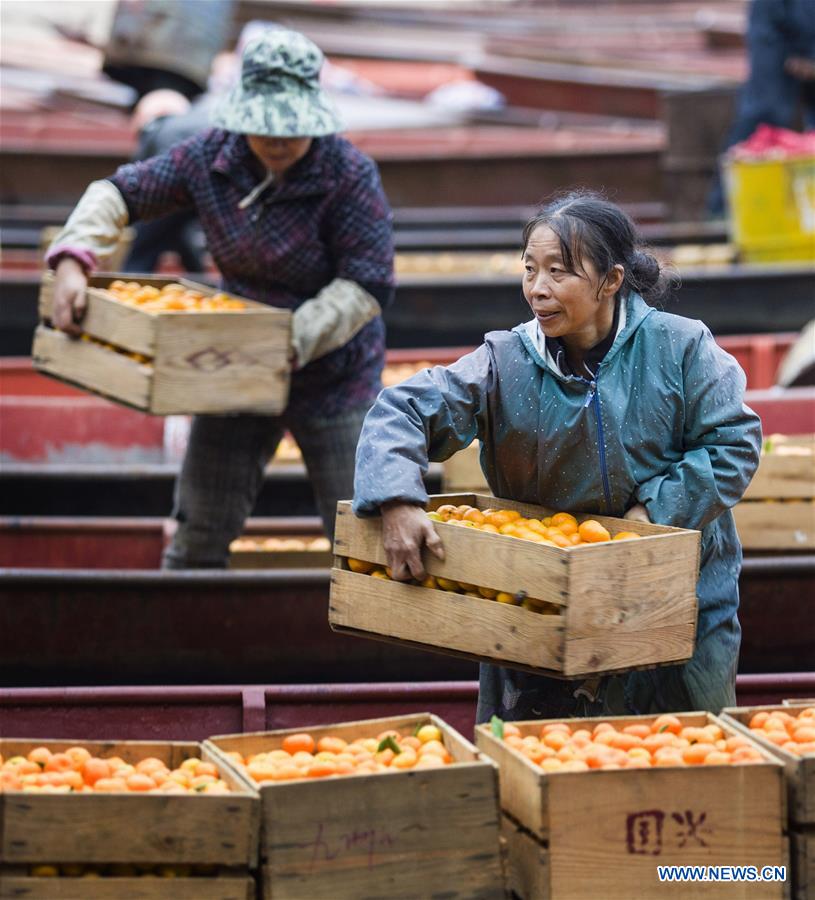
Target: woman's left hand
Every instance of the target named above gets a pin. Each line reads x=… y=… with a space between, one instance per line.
x=638 y=513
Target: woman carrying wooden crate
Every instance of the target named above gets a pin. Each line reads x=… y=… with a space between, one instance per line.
x=601 y=404
x=294 y=216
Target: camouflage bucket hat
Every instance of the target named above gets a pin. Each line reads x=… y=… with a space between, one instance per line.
x=279 y=93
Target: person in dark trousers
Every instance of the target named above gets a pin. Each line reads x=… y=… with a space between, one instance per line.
x=599 y=404
x=294 y=216
x=781 y=83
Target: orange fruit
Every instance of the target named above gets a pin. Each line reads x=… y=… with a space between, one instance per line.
x=301 y=742
x=59 y=762
x=331 y=744
x=666 y=723
x=696 y=754
x=321 y=770
x=593 y=532
x=638 y=730
x=140 y=782
x=563 y=518
x=94 y=769
x=110 y=785
x=360 y=566
x=717 y=758
x=39 y=755
x=804 y=734
x=625 y=535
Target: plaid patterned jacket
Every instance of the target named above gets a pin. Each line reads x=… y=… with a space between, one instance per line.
x=328 y=218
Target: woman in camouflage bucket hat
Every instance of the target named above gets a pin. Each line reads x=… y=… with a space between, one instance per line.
x=279 y=93
x=294 y=216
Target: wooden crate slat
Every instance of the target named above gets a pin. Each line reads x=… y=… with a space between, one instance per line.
x=613 y=652
x=788 y=525
x=527 y=862
x=743 y=823
x=799 y=770
x=242 y=355
x=139 y=828
x=470 y=625
x=651 y=583
x=786 y=472
x=92 y=367
x=111 y=888
x=802 y=853
x=435 y=826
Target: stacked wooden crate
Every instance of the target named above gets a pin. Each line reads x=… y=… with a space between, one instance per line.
x=603 y=833
x=778 y=508
x=410 y=833
x=95 y=845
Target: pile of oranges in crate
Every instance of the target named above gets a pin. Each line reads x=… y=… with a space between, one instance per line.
x=561 y=747
x=304 y=756
x=794 y=733
x=76 y=770
x=559 y=530
x=171 y=298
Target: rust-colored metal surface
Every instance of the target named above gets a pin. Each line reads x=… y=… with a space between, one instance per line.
x=101 y=627
x=197 y=712
x=113 y=542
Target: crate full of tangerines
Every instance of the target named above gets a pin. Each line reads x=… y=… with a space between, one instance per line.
x=593 y=806
x=525 y=586
x=92 y=820
x=401 y=807
x=169 y=347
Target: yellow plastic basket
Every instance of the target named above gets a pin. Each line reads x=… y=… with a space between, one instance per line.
x=772 y=208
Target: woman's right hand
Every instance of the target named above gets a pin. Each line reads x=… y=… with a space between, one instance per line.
x=405 y=531
x=69 y=296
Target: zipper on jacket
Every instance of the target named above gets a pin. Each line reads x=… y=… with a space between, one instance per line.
x=593 y=395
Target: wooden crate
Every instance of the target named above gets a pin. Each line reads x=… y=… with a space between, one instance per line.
x=602 y=833
x=202 y=362
x=776 y=525
x=624 y=604
x=786 y=470
x=16 y=882
x=409 y=834
x=778 y=509
x=130 y=828
x=799 y=770
x=802 y=852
